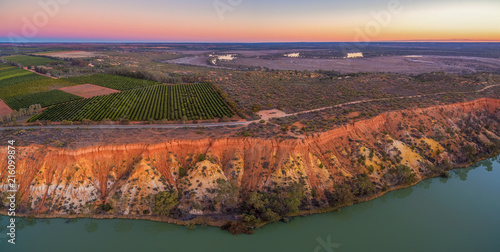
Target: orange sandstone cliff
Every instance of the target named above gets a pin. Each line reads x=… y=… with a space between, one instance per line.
x=389 y=150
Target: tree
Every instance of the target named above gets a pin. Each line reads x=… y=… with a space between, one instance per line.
x=364 y=185
x=469 y=151
x=341 y=196
x=165 y=202
x=184 y=119
x=227 y=193
x=201 y=157
x=256 y=108
x=294 y=197
x=182 y=172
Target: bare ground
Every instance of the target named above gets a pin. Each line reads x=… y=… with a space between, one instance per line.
x=4 y=109
x=390 y=64
x=72 y=54
x=88 y=90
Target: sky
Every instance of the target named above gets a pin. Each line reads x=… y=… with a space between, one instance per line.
x=248 y=20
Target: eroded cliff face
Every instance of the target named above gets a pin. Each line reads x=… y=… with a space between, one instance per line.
x=391 y=149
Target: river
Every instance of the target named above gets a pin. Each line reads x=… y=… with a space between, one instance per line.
x=460 y=213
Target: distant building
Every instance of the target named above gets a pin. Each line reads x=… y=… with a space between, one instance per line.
x=354 y=55
x=292 y=55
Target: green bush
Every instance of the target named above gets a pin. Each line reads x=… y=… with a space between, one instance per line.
x=165 y=202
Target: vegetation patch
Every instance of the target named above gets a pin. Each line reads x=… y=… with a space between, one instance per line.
x=26 y=60
x=12 y=76
x=41 y=84
x=113 y=81
x=45 y=99
x=170 y=102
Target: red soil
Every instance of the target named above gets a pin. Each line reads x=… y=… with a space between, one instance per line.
x=88 y=90
x=4 y=109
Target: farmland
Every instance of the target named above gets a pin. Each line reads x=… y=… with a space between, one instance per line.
x=45 y=99
x=169 y=102
x=12 y=75
x=39 y=84
x=26 y=60
x=112 y=81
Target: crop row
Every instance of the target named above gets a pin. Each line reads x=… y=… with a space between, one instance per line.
x=112 y=81
x=11 y=76
x=27 y=60
x=45 y=99
x=170 y=102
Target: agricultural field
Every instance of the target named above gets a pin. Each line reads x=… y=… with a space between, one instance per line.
x=13 y=75
x=26 y=60
x=45 y=99
x=88 y=90
x=170 y=102
x=10 y=72
x=68 y=54
x=42 y=84
x=5 y=67
x=47 y=52
x=112 y=81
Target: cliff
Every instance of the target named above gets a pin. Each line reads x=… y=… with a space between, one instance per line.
x=210 y=176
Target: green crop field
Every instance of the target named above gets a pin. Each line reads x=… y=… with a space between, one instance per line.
x=33 y=86
x=170 y=102
x=5 y=67
x=11 y=76
x=45 y=99
x=112 y=81
x=26 y=60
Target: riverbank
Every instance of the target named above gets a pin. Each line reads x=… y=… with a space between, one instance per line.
x=224 y=220
x=211 y=181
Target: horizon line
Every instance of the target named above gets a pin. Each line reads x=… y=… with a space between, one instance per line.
x=242 y=42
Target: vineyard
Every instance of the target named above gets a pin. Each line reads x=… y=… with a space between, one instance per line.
x=112 y=81
x=13 y=75
x=45 y=99
x=33 y=86
x=26 y=60
x=170 y=102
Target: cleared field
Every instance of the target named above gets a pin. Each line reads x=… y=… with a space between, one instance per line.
x=69 y=54
x=33 y=86
x=26 y=60
x=45 y=99
x=112 y=81
x=48 y=52
x=4 y=109
x=170 y=102
x=88 y=90
x=11 y=76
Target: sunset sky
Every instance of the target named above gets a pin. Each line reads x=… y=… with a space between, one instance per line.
x=248 y=21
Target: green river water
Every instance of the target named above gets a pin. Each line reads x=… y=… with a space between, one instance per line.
x=461 y=213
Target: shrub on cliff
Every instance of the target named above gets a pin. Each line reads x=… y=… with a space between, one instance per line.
x=227 y=194
x=364 y=185
x=165 y=202
x=341 y=196
x=201 y=157
x=105 y=207
x=469 y=151
x=402 y=174
x=272 y=206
